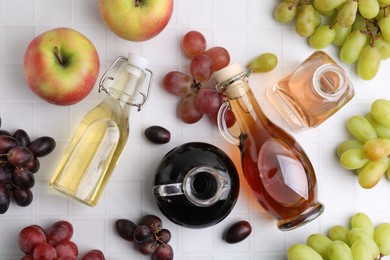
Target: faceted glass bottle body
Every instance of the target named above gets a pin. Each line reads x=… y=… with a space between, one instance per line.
x=275 y=166
x=99 y=140
x=312 y=92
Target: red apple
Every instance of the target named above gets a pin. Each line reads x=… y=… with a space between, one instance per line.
x=61 y=66
x=136 y=20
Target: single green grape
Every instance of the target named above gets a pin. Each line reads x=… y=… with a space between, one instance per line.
x=353 y=159
x=361 y=129
x=356 y=234
x=264 y=62
x=285 y=12
x=361 y=251
x=384 y=25
x=306 y=20
x=348 y=144
x=369 y=62
x=383 y=47
x=322 y=37
x=377 y=149
x=381 y=131
x=339 y=232
x=341 y=34
x=360 y=23
x=371 y=173
x=380 y=111
x=368 y=8
x=302 y=252
x=363 y=221
x=382 y=238
x=319 y=243
x=327 y=5
x=346 y=15
x=339 y=250
x=353 y=46
x=384 y=2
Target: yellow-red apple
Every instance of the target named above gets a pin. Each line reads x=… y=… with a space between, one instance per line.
x=136 y=20
x=61 y=66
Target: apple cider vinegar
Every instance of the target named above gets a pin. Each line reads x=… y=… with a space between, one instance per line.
x=97 y=144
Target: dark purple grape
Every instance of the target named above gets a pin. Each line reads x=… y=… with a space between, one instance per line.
x=33 y=166
x=42 y=146
x=142 y=234
x=19 y=155
x=157 y=134
x=6 y=170
x=23 y=178
x=163 y=252
x=163 y=236
x=4 y=199
x=153 y=222
x=22 y=137
x=238 y=232
x=23 y=197
x=125 y=229
x=147 y=247
x=7 y=142
x=4 y=132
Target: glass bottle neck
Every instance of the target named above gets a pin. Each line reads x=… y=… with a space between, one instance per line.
x=329 y=81
x=235 y=87
x=126 y=84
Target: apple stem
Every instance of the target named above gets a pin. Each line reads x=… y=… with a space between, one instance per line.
x=137 y=3
x=58 y=55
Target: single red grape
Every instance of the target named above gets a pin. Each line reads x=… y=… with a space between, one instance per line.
x=66 y=248
x=193 y=43
x=187 y=110
x=45 y=251
x=200 y=68
x=208 y=101
x=219 y=56
x=59 y=231
x=29 y=237
x=177 y=83
x=94 y=254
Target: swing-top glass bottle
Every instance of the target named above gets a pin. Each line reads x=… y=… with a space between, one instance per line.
x=97 y=144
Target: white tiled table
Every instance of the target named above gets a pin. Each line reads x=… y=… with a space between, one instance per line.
x=246 y=28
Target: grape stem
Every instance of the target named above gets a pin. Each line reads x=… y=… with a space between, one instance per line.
x=196 y=85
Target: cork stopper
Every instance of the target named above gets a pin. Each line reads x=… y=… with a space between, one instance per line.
x=228 y=72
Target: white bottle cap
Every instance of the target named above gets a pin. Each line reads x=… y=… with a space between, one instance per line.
x=228 y=72
x=137 y=60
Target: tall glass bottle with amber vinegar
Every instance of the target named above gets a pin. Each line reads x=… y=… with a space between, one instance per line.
x=101 y=136
x=275 y=166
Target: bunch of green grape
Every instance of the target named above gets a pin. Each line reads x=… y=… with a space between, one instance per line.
x=368 y=151
x=360 y=28
x=361 y=240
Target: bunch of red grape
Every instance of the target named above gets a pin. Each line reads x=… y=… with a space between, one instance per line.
x=18 y=164
x=197 y=99
x=53 y=244
x=149 y=236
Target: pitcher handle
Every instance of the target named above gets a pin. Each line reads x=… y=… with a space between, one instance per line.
x=223 y=127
